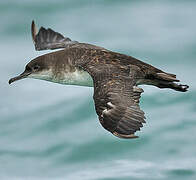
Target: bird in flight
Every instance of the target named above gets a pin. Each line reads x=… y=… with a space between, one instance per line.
x=114 y=76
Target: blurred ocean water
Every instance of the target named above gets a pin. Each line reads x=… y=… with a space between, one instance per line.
x=51 y=131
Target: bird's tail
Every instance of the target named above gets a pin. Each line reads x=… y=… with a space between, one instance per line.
x=167 y=80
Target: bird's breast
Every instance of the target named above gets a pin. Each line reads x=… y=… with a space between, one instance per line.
x=78 y=77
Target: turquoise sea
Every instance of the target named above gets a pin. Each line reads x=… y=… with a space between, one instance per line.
x=51 y=131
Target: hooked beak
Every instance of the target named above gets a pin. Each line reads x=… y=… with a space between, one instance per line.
x=21 y=76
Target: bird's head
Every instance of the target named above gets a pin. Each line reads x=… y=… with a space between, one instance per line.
x=38 y=68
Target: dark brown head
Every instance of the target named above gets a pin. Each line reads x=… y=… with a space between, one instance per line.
x=38 y=68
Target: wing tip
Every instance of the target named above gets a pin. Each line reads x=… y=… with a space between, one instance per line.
x=125 y=136
x=33 y=31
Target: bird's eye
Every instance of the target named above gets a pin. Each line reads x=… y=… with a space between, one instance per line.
x=36 y=67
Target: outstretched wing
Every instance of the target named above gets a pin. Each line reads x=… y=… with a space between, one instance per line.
x=48 y=39
x=117 y=105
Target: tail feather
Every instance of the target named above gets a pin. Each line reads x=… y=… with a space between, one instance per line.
x=165 y=80
x=180 y=87
x=173 y=75
x=166 y=77
x=168 y=80
x=172 y=85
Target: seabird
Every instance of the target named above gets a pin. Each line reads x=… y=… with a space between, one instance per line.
x=114 y=76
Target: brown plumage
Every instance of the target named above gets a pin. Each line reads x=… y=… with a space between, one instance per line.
x=115 y=78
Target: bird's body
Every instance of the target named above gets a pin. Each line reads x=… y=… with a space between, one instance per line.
x=114 y=76
x=76 y=69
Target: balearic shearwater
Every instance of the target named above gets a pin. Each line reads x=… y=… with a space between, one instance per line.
x=115 y=78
